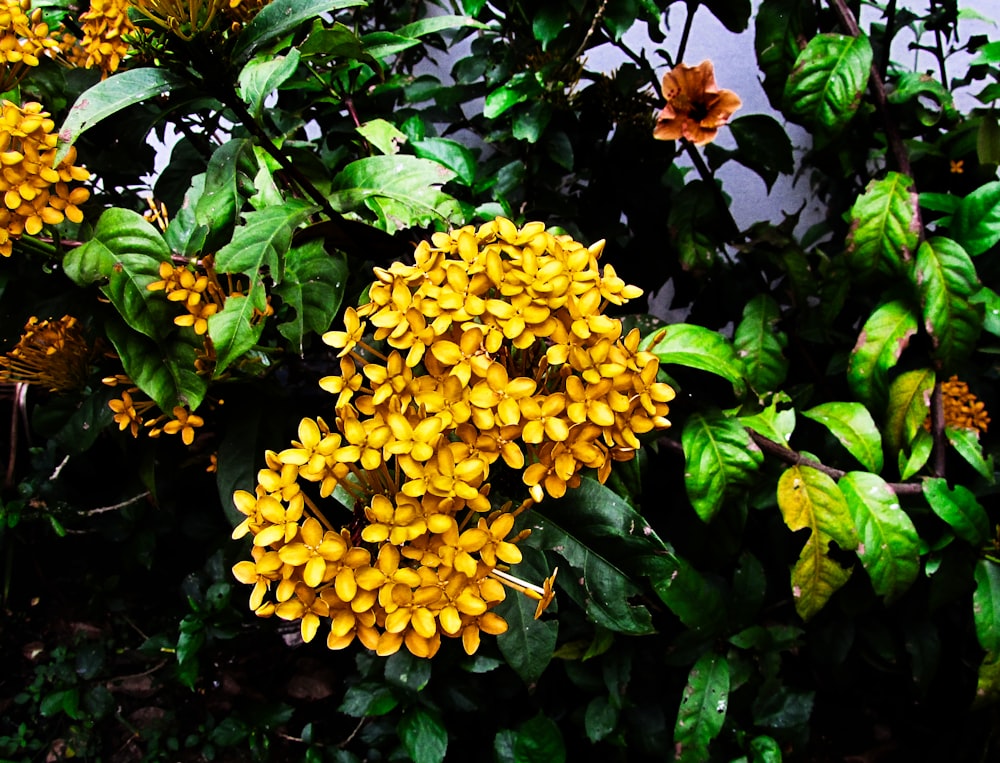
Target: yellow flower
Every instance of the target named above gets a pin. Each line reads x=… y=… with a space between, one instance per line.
x=53 y=354
x=184 y=422
x=105 y=26
x=962 y=409
x=696 y=107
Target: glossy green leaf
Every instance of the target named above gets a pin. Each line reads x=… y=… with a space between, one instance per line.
x=259 y=245
x=779 y=25
x=990 y=301
x=890 y=547
x=959 y=508
x=145 y=311
x=884 y=225
x=608 y=544
x=367 y=699
x=520 y=88
x=882 y=340
x=405 y=189
x=764 y=749
x=920 y=450
x=939 y=202
x=528 y=644
x=966 y=442
x=263 y=75
x=278 y=18
x=423 y=735
x=986 y=606
x=384 y=135
x=809 y=499
x=719 y=458
x=539 y=740
x=111 y=95
x=946 y=279
x=118 y=232
x=776 y=422
x=828 y=81
x=760 y=344
x=236 y=329
x=530 y=121
x=693 y=346
x=184 y=234
x=435 y=24
x=313 y=288
x=976 y=222
x=548 y=23
x=163 y=369
x=703 y=708
x=218 y=205
x=853 y=426
x=697 y=601
x=451 y=154
x=908 y=408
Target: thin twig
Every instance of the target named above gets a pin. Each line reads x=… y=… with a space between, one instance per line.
x=686 y=31
x=115 y=507
x=937 y=431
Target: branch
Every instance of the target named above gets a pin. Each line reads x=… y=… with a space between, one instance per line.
x=789 y=456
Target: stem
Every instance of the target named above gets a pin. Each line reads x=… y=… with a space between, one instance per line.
x=937 y=432
x=890 y=23
x=789 y=456
x=732 y=232
x=692 y=7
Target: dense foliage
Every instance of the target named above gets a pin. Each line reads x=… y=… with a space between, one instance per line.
x=362 y=344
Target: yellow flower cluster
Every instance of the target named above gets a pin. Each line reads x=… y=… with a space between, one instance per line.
x=188 y=18
x=23 y=38
x=53 y=354
x=105 y=26
x=35 y=191
x=498 y=349
x=962 y=409
x=132 y=407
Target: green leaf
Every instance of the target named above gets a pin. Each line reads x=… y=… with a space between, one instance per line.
x=405 y=189
x=939 y=202
x=966 y=442
x=385 y=136
x=220 y=200
x=986 y=606
x=890 y=547
x=313 y=288
x=163 y=369
x=693 y=346
x=118 y=232
x=884 y=225
x=236 y=329
x=520 y=88
x=828 y=81
x=263 y=75
x=987 y=683
x=530 y=122
x=548 y=23
x=762 y=145
x=946 y=278
x=764 y=749
x=367 y=699
x=697 y=601
x=920 y=451
x=959 y=508
x=703 y=707
x=759 y=343
x=539 y=740
x=882 y=340
x=719 y=457
x=853 y=426
x=145 y=311
x=528 y=644
x=988 y=135
x=909 y=406
x=809 y=499
x=774 y=424
x=778 y=27
x=734 y=14
x=435 y=24
x=976 y=222
x=260 y=244
x=278 y=18
x=608 y=544
x=423 y=735
x=990 y=301
x=451 y=154
x=600 y=719
x=184 y=234
x=111 y=95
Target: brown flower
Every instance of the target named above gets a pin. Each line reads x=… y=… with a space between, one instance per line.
x=696 y=108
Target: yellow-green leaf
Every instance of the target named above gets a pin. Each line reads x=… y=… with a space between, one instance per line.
x=809 y=499
x=853 y=426
x=909 y=404
x=882 y=340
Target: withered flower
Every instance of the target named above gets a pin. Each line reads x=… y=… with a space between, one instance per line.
x=696 y=107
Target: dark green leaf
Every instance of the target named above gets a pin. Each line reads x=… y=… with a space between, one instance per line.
x=263 y=75
x=451 y=154
x=759 y=343
x=530 y=122
x=313 y=287
x=185 y=235
x=853 y=426
x=828 y=81
x=406 y=671
x=946 y=279
x=278 y=18
x=548 y=23
x=528 y=643
x=219 y=203
x=986 y=606
x=111 y=95
x=703 y=707
x=719 y=457
x=884 y=225
x=882 y=340
x=697 y=347
x=763 y=146
x=236 y=328
x=890 y=547
x=260 y=244
x=600 y=719
x=959 y=508
x=539 y=741
x=520 y=88
x=118 y=232
x=734 y=14
x=976 y=222
x=368 y=699
x=778 y=28
x=423 y=735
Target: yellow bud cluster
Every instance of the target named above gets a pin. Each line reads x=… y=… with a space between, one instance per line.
x=53 y=354
x=187 y=18
x=23 y=38
x=498 y=349
x=105 y=26
x=35 y=191
x=962 y=409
